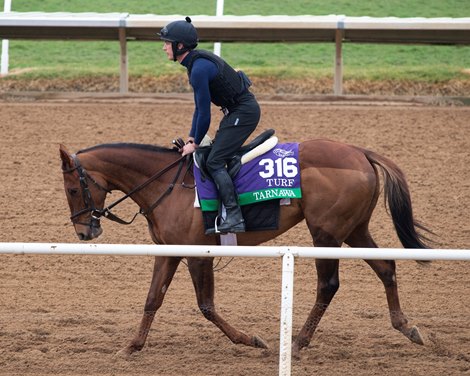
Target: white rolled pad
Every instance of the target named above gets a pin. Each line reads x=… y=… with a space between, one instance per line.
x=260 y=149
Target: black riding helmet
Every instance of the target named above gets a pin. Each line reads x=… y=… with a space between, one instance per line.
x=180 y=32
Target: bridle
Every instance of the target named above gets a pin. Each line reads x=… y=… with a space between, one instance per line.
x=86 y=195
x=97 y=213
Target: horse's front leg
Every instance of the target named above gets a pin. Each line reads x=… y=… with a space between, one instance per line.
x=202 y=275
x=163 y=272
x=385 y=270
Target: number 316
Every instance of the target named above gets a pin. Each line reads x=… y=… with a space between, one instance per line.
x=282 y=167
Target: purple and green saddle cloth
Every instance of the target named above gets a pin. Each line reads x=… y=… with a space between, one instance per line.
x=260 y=184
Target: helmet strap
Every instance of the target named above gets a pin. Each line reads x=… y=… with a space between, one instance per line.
x=177 y=52
x=174 y=47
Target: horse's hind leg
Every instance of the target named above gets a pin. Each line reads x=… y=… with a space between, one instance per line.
x=202 y=275
x=385 y=270
x=163 y=271
x=327 y=285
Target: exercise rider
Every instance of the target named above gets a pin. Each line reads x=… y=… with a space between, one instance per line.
x=213 y=80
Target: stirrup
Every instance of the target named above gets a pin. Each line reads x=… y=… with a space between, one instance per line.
x=239 y=227
x=214 y=230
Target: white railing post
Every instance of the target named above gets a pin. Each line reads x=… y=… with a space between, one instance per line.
x=5 y=43
x=287 y=298
x=123 y=63
x=338 y=80
x=219 y=12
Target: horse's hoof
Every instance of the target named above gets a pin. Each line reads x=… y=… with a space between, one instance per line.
x=295 y=352
x=415 y=336
x=124 y=353
x=258 y=342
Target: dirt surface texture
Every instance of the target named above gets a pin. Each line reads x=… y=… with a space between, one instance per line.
x=70 y=315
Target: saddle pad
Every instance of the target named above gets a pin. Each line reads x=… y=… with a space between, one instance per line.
x=271 y=176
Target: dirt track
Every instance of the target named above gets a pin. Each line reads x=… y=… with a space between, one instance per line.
x=69 y=315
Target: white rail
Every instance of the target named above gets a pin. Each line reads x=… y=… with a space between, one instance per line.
x=233 y=251
x=288 y=254
x=219 y=28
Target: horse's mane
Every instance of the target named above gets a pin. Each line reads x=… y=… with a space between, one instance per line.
x=124 y=145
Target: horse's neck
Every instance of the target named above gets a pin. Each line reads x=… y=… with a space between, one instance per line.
x=126 y=169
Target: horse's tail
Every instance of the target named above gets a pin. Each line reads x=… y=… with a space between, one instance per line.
x=397 y=195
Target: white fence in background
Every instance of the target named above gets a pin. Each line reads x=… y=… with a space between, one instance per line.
x=288 y=255
x=123 y=27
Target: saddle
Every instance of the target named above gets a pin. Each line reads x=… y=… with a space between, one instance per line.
x=261 y=144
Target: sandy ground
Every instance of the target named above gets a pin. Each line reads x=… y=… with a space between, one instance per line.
x=69 y=315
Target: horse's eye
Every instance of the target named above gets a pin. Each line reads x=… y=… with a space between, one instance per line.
x=72 y=191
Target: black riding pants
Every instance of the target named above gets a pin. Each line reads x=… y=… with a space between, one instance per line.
x=234 y=130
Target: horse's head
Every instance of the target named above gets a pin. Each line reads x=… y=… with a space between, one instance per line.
x=86 y=193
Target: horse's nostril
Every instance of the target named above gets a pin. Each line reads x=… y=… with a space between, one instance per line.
x=81 y=236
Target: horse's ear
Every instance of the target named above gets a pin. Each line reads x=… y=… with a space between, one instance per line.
x=66 y=158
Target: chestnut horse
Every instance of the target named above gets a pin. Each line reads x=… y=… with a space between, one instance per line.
x=340 y=188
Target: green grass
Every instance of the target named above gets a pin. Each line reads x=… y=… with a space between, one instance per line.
x=375 y=8
x=361 y=61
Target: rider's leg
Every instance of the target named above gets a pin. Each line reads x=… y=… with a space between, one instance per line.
x=234 y=130
x=233 y=221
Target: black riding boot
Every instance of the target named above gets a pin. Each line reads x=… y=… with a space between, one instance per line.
x=233 y=221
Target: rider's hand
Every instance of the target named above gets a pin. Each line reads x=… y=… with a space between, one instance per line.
x=189 y=148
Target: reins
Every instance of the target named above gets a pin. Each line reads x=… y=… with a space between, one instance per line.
x=168 y=190
x=106 y=212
